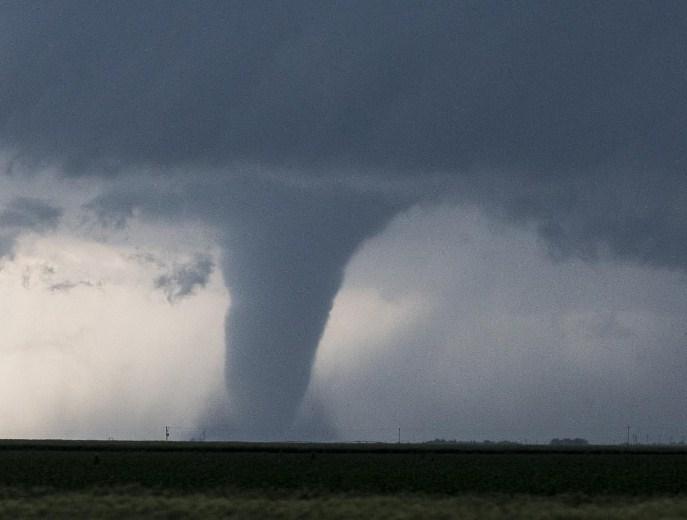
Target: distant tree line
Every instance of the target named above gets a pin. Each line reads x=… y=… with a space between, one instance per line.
x=577 y=441
x=487 y=442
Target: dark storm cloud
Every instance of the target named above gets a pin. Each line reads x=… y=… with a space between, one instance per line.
x=568 y=115
x=23 y=214
x=543 y=87
x=545 y=92
x=28 y=214
x=184 y=279
x=637 y=217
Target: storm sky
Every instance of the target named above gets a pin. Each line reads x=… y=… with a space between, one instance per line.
x=333 y=219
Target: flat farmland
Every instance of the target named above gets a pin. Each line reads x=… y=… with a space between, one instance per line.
x=289 y=480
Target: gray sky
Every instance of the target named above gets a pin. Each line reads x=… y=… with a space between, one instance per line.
x=508 y=180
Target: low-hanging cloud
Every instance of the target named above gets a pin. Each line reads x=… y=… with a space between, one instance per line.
x=29 y=214
x=186 y=278
x=298 y=130
x=68 y=285
x=22 y=215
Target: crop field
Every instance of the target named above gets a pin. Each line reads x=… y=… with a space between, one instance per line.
x=167 y=479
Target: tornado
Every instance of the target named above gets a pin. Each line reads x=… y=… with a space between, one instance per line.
x=283 y=263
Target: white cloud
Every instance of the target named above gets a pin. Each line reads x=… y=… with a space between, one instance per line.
x=107 y=358
x=506 y=343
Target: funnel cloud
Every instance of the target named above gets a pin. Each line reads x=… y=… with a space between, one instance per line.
x=23 y=214
x=284 y=267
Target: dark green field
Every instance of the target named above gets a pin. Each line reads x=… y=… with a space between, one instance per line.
x=339 y=480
